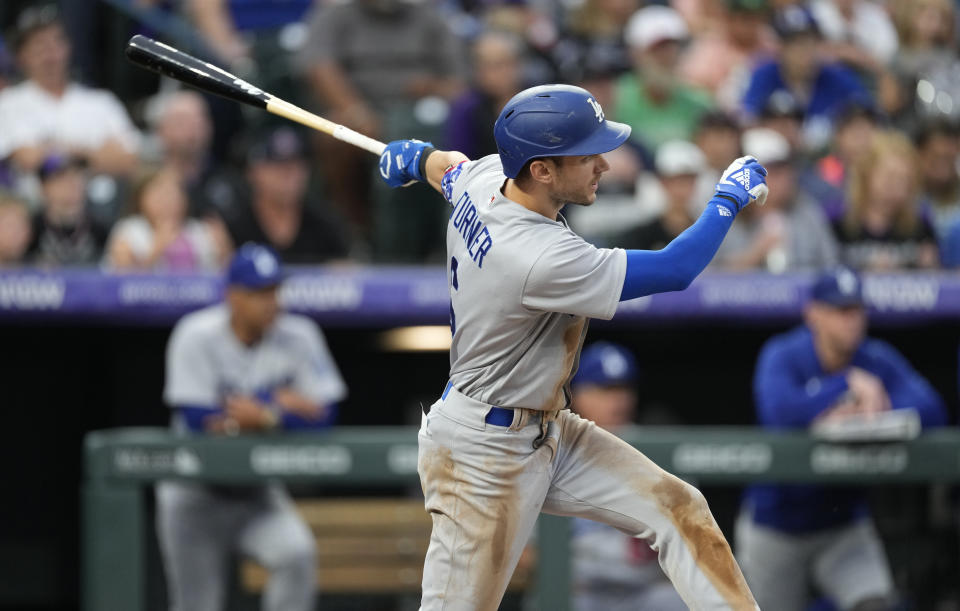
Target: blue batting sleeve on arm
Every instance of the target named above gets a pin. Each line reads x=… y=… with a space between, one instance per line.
x=906 y=387
x=674 y=267
x=783 y=397
x=195 y=416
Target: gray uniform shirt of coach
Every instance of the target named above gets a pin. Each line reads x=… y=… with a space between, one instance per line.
x=220 y=358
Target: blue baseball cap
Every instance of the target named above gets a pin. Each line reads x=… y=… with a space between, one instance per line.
x=795 y=20
x=606 y=364
x=254 y=266
x=840 y=287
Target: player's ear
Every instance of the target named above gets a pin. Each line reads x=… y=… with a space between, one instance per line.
x=543 y=170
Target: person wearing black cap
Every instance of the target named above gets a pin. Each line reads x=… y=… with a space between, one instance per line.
x=718 y=137
x=819 y=88
x=278 y=212
x=790 y=537
x=783 y=114
x=64 y=231
x=243 y=366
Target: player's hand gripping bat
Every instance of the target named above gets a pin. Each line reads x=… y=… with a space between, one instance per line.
x=185 y=68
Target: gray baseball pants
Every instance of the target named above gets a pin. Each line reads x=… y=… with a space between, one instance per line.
x=846 y=564
x=199 y=529
x=484 y=486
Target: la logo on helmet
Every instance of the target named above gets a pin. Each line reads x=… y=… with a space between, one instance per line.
x=596 y=109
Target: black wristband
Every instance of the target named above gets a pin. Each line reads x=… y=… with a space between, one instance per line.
x=736 y=204
x=422 y=165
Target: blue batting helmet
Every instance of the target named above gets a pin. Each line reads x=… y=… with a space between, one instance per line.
x=553 y=121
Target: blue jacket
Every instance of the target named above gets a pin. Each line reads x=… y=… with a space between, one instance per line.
x=834 y=87
x=791 y=389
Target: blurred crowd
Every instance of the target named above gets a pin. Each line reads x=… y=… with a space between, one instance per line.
x=852 y=105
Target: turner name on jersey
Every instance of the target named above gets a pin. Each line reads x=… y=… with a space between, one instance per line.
x=471 y=228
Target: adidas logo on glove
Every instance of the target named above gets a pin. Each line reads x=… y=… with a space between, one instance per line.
x=743 y=177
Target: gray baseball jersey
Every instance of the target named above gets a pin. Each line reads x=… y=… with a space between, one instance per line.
x=521 y=289
x=206 y=362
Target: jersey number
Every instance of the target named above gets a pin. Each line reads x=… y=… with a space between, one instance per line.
x=455 y=283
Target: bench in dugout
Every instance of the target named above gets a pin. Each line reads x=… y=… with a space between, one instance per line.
x=367 y=546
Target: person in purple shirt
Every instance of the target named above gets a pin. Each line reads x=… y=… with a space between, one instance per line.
x=821 y=89
x=792 y=537
x=497 y=59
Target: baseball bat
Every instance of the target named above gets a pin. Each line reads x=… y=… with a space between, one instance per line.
x=164 y=59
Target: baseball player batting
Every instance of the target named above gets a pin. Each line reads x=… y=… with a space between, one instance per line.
x=500 y=445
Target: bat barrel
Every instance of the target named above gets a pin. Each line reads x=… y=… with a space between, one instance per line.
x=176 y=64
x=164 y=59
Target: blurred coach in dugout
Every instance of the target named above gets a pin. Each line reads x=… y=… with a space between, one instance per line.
x=826 y=372
x=242 y=367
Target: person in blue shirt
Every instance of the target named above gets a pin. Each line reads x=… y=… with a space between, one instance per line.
x=821 y=89
x=950 y=248
x=791 y=537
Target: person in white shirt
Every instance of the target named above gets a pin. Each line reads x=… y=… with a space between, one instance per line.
x=47 y=112
x=861 y=32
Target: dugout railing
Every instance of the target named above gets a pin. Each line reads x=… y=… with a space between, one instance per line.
x=119 y=465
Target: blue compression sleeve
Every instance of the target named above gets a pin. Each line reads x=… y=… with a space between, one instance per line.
x=674 y=267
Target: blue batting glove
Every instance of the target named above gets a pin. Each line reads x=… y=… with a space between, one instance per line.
x=400 y=162
x=744 y=181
